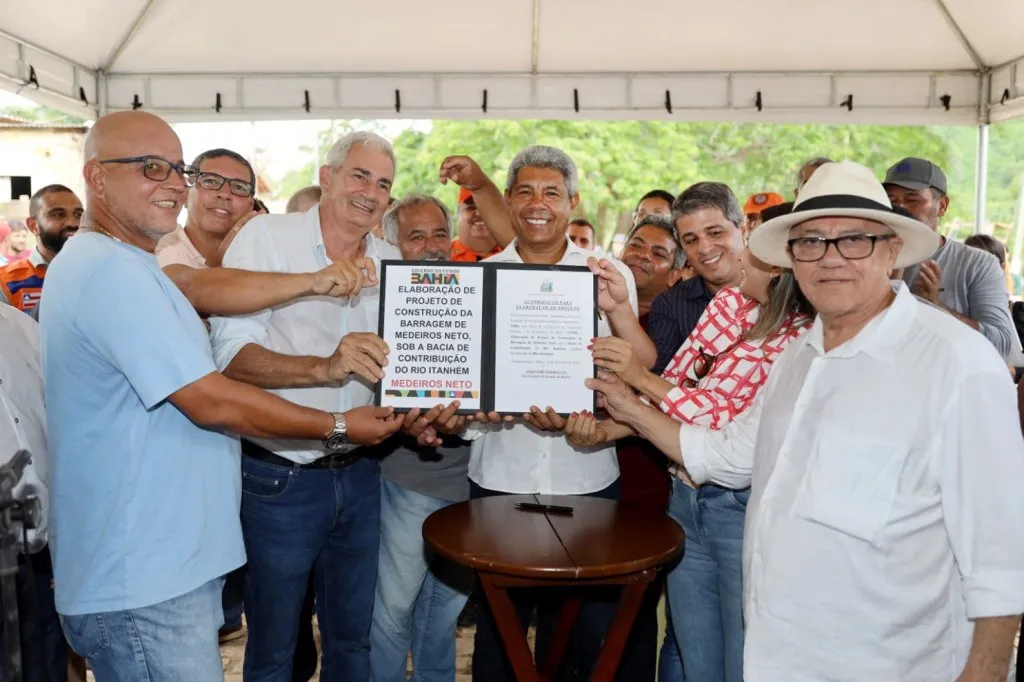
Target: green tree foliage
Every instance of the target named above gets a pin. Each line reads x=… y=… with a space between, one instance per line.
x=41 y=115
x=621 y=160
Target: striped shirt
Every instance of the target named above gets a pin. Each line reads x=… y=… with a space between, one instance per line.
x=673 y=316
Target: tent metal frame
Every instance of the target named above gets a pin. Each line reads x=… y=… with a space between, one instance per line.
x=56 y=81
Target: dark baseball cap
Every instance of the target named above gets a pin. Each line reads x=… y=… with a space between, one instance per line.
x=916 y=174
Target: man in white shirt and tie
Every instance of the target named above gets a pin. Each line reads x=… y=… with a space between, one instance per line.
x=885 y=530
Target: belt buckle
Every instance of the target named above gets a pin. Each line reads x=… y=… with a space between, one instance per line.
x=339 y=460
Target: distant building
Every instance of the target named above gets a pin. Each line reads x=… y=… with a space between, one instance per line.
x=34 y=154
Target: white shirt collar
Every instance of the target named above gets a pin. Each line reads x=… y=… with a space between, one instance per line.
x=312 y=217
x=510 y=254
x=880 y=338
x=37 y=258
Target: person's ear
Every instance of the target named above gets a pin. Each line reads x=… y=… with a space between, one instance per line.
x=895 y=246
x=95 y=175
x=326 y=175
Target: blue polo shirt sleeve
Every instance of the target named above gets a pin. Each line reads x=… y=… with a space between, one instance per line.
x=143 y=330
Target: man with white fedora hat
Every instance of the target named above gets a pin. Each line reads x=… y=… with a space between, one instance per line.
x=884 y=535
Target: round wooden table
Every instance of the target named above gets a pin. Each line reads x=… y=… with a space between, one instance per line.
x=601 y=543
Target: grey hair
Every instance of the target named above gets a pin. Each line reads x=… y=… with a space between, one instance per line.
x=810 y=164
x=665 y=223
x=541 y=156
x=784 y=298
x=338 y=152
x=389 y=223
x=704 y=195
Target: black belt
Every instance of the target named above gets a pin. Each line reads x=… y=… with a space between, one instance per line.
x=336 y=461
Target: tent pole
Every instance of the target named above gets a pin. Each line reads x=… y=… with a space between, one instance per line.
x=981 y=186
x=101 y=93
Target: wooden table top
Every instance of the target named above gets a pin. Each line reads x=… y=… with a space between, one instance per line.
x=601 y=539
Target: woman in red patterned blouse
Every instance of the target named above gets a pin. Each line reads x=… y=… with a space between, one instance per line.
x=714 y=376
x=717 y=372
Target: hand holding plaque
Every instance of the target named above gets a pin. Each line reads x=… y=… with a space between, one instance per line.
x=500 y=338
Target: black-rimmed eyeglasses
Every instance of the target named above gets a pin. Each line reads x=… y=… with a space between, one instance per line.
x=159 y=169
x=213 y=182
x=850 y=247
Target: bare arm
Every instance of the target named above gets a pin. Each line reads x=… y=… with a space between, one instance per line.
x=491 y=204
x=620 y=355
x=359 y=353
x=653 y=386
x=226 y=291
x=218 y=402
x=991 y=648
x=653 y=425
x=626 y=326
x=256 y=365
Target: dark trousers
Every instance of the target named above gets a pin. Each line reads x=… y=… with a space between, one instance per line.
x=306 y=656
x=43 y=647
x=490 y=661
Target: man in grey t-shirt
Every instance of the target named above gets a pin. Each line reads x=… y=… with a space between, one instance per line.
x=966 y=282
x=414 y=607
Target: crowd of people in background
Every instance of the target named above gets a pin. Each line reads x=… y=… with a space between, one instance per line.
x=819 y=391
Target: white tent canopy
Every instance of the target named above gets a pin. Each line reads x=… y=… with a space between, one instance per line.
x=829 y=61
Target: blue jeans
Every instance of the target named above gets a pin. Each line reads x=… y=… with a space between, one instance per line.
x=705 y=589
x=670 y=663
x=414 y=607
x=173 y=641
x=43 y=648
x=301 y=521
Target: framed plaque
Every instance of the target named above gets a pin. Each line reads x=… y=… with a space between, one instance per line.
x=497 y=337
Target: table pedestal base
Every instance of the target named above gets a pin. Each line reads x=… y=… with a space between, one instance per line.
x=513 y=635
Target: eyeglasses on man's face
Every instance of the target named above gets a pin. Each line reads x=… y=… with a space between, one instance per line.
x=850 y=246
x=214 y=181
x=158 y=169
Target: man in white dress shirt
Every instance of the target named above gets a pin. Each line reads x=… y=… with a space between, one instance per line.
x=306 y=510
x=534 y=457
x=885 y=530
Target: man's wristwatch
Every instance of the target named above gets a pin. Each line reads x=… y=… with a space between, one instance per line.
x=338 y=438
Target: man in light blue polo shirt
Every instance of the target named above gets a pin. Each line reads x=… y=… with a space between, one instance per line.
x=145 y=484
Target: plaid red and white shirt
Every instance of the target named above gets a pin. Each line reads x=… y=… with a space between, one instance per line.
x=717 y=372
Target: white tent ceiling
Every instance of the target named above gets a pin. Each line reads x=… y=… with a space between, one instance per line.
x=902 y=61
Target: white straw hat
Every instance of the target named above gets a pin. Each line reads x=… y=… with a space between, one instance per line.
x=849 y=190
